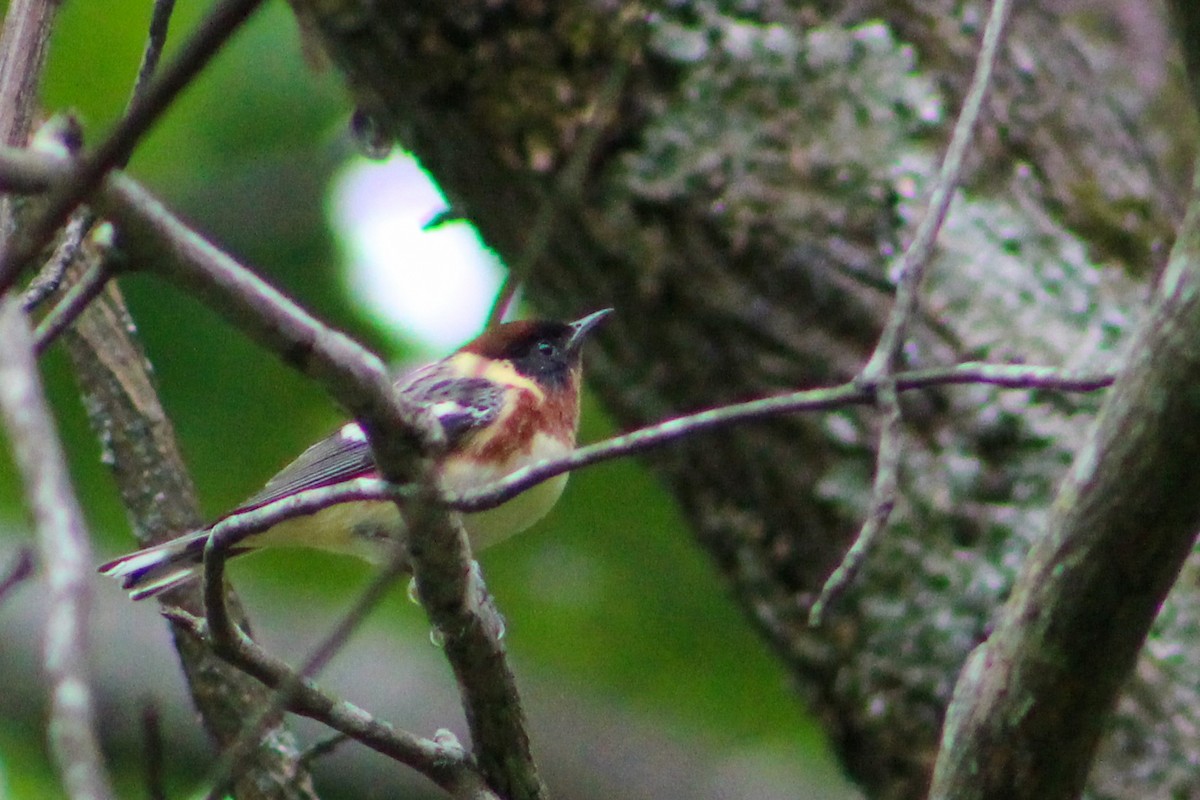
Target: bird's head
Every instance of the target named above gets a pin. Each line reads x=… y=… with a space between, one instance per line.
x=547 y=352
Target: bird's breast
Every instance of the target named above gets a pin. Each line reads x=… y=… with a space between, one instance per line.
x=486 y=528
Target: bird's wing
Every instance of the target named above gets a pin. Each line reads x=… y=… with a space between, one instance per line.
x=343 y=456
x=461 y=405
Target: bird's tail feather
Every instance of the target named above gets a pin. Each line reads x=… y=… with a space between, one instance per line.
x=156 y=569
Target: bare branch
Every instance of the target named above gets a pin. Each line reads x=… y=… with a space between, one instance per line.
x=450 y=768
x=917 y=255
x=887 y=350
x=65 y=551
x=80 y=295
x=324 y=747
x=66 y=558
x=20 y=571
x=1031 y=703
x=23 y=46
x=50 y=277
x=235 y=527
x=156 y=39
x=452 y=594
x=153 y=738
x=357 y=378
x=155 y=488
x=566 y=190
x=883 y=500
x=212 y=33
x=858 y=392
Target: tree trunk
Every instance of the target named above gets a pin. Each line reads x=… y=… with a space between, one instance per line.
x=752 y=176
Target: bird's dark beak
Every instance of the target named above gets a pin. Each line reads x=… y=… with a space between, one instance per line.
x=580 y=328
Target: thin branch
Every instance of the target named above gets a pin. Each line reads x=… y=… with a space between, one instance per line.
x=230 y=530
x=883 y=501
x=883 y=360
x=917 y=255
x=153 y=744
x=210 y=36
x=76 y=300
x=23 y=44
x=224 y=282
x=50 y=277
x=156 y=40
x=395 y=432
x=854 y=393
x=155 y=488
x=452 y=594
x=156 y=239
x=323 y=748
x=65 y=556
x=152 y=236
x=296 y=692
x=20 y=571
x=566 y=189
x=64 y=549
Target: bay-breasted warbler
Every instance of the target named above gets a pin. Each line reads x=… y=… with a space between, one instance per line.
x=505 y=400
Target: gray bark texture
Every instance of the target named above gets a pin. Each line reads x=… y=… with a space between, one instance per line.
x=139 y=442
x=755 y=171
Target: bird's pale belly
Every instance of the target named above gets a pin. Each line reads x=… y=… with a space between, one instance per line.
x=365 y=528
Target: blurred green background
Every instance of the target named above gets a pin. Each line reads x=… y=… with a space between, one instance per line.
x=606 y=599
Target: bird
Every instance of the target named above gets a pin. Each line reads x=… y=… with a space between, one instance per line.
x=505 y=400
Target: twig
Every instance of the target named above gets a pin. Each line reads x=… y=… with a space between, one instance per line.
x=63 y=545
x=449 y=767
x=397 y=433
x=20 y=571
x=882 y=362
x=232 y=529
x=565 y=190
x=76 y=300
x=226 y=286
x=212 y=33
x=452 y=594
x=883 y=500
x=156 y=239
x=126 y=414
x=917 y=255
x=853 y=393
x=323 y=748
x=156 y=39
x=65 y=556
x=50 y=277
x=153 y=744
x=439 y=557
x=23 y=44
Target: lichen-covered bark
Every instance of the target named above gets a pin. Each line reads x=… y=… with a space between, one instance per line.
x=1030 y=707
x=137 y=439
x=759 y=169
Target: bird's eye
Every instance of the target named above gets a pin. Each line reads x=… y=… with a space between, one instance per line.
x=546 y=349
